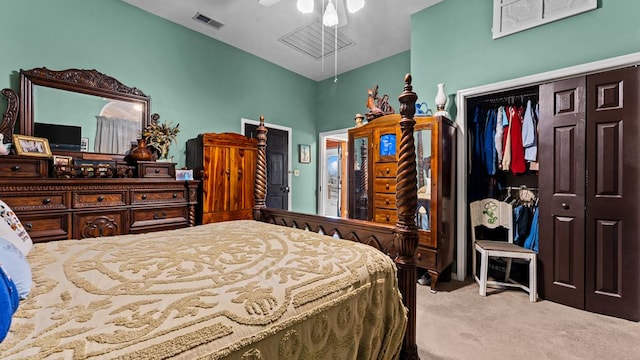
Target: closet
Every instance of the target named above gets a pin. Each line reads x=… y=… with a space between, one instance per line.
x=225 y=163
x=586 y=176
x=372 y=163
x=589 y=183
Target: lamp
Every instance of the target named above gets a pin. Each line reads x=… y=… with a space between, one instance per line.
x=330 y=17
x=305 y=6
x=355 y=5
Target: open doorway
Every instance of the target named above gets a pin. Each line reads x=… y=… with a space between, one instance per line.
x=332 y=186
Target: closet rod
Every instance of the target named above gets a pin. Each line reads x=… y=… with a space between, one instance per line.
x=509 y=99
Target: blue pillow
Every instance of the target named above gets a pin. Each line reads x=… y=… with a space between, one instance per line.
x=8 y=303
x=16 y=266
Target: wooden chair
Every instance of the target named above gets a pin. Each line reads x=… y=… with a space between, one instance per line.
x=493 y=213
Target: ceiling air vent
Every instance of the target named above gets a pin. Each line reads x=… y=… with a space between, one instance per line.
x=207 y=20
x=308 y=40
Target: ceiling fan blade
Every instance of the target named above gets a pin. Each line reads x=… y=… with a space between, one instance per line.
x=342 y=13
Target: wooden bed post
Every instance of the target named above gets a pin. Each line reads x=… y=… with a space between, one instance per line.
x=260 y=190
x=406 y=231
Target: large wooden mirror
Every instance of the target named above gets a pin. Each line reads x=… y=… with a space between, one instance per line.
x=81 y=110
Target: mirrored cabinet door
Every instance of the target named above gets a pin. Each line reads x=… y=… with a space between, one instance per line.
x=360 y=177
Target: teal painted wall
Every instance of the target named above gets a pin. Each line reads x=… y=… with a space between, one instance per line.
x=338 y=102
x=201 y=83
x=451 y=42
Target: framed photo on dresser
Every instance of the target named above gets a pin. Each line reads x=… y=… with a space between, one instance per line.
x=31 y=146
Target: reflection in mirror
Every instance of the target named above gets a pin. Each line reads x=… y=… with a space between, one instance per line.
x=422 y=140
x=105 y=114
x=361 y=179
x=64 y=117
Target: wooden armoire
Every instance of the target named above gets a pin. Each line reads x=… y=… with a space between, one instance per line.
x=225 y=163
x=589 y=153
x=372 y=167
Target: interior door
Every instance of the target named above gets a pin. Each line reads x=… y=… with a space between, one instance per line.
x=562 y=191
x=613 y=239
x=277 y=166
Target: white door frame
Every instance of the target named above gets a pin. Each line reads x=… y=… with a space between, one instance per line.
x=289 y=131
x=340 y=134
x=461 y=124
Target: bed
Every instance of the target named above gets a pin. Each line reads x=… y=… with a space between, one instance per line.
x=235 y=290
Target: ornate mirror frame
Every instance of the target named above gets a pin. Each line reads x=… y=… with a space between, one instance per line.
x=90 y=82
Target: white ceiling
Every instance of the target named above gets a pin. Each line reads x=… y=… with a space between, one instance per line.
x=379 y=30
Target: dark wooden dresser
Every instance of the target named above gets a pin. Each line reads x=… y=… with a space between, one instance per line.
x=55 y=209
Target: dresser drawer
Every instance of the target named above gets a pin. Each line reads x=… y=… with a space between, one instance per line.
x=385 y=201
x=386 y=216
x=154 y=169
x=385 y=185
x=45 y=227
x=152 y=217
x=99 y=199
x=385 y=170
x=426 y=258
x=23 y=168
x=144 y=196
x=99 y=223
x=36 y=201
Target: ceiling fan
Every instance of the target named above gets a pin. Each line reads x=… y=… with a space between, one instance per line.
x=334 y=12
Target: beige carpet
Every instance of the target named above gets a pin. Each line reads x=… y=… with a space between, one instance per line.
x=457 y=323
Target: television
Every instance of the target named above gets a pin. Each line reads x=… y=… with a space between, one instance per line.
x=61 y=137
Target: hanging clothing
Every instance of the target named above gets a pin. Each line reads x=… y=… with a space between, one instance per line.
x=506 y=152
x=488 y=145
x=529 y=141
x=498 y=136
x=521 y=224
x=518 y=165
x=531 y=242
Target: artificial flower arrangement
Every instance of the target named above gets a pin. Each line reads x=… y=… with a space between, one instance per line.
x=159 y=136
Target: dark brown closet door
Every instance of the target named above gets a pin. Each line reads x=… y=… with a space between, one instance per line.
x=562 y=184
x=613 y=185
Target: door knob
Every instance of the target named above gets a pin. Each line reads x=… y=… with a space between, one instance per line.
x=284 y=188
x=565 y=206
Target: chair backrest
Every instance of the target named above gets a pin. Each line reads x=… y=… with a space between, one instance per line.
x=491 y=213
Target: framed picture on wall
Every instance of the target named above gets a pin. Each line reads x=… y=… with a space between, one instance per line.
x=31 y=146
x=304 y=153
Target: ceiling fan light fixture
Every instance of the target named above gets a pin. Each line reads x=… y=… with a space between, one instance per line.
x=305 y=6
x=355 y=5
x=330 y=17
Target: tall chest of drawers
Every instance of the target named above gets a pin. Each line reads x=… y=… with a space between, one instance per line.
x=56 y=209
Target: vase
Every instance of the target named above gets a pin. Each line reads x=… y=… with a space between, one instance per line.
x=140 y=152
x=441 y=101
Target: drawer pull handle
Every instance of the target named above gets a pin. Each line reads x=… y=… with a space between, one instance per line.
x=157 y=171
x=144 y=197
x=46 y=201
x=388 y=217
x=160 y=215
x=386 y=186
x=386 y=202
x=419 y=256
x=28 y=226
x=100 y=198
x=15 y=167
x=175 y=195
x=388 y=170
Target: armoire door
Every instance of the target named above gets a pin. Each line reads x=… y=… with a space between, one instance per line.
x=561 y=153
x=613 y=185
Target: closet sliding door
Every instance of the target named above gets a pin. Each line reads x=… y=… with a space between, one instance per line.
x=561 y=179
x=589 y=184
x=613 y=185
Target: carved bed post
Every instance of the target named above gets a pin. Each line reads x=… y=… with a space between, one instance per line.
x=10 y=115
x=260 y=189
x=406 y=231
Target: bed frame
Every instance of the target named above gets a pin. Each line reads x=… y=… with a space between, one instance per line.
x=399 y=242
